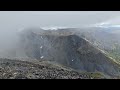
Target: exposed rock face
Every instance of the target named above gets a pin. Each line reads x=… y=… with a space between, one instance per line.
x=67 y=49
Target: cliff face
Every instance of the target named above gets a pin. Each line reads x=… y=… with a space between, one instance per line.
x=68 y=49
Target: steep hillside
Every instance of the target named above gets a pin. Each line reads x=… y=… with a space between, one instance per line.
x=68 y=49
x=107 y=39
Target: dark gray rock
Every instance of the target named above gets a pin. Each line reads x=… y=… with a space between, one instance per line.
x=68 y=49
x=29 y=70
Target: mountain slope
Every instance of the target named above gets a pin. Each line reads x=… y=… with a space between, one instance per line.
x=107 y=39
x=68 y=49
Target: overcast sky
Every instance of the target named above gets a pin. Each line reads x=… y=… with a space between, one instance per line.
x=18 y=19
x=11 y=21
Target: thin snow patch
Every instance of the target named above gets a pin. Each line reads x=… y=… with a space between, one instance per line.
x=41 y=37
x=53 y=28
x=42 y=57
x=41 y=47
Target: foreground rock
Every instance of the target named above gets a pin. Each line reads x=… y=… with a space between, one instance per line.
x=14 y=69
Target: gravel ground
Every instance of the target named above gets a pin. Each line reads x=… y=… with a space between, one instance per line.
x=15 y=69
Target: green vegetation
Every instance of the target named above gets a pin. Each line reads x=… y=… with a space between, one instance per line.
x=115 y=53
x=97 y=75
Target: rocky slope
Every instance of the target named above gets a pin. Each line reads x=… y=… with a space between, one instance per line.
x=17 y=69
x=66 y=48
